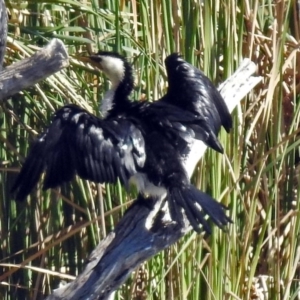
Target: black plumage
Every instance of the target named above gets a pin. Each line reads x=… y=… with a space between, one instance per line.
x=136 y=141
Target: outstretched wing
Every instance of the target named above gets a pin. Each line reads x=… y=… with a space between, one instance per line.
x=190 y=89
x=77 y=142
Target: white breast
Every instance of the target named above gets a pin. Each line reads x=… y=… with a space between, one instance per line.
x=197 y=149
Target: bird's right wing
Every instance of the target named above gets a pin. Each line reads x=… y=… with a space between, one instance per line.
x=76 y=142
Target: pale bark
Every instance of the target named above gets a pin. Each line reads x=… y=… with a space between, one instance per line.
x=27 y=72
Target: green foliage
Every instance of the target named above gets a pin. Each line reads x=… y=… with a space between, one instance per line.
x=258 y=177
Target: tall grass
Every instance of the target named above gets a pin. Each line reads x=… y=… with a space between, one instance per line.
x=52 y=234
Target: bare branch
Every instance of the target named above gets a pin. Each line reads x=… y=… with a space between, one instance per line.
x=29 y=71
x=143 y=231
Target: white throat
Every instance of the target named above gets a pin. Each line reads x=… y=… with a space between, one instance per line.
x=113 y=68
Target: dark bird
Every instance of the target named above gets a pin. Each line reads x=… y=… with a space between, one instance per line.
x=139 y=142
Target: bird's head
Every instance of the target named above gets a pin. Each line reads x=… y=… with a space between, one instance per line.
x=112 y=64
x=119 y=72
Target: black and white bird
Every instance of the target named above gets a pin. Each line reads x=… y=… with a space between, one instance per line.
x=139 y=142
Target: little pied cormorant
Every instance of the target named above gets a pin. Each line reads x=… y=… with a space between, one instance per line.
x=141 y=142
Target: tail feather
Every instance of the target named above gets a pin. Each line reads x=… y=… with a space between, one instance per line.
x=189 y=198
x=193 y=216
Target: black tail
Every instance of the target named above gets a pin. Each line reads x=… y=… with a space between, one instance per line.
x=197 y=205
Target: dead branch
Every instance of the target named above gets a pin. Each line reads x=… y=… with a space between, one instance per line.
x=27 y=72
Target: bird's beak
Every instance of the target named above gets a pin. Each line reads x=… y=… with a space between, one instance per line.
x=93 y=59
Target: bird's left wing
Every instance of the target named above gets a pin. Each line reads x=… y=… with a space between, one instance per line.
x=76 y=142
x=190 y=89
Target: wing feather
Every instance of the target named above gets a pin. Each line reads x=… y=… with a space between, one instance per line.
x=76 y=142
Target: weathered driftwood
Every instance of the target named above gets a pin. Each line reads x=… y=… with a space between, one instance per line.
x=3 y=31
x=143 y=231
x=27 y=72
